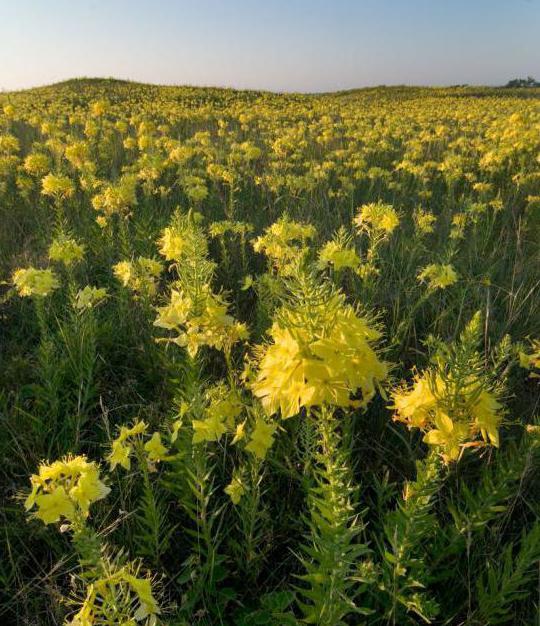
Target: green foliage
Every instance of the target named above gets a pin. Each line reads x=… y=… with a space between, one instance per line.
x=332 y=551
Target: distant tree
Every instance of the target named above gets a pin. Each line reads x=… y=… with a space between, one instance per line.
x=523 y=82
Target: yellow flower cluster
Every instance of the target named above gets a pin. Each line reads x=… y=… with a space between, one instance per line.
x=451 y=414
x=284 y=242
x=34 y=282
x=139 y=275
x=183 y=240
x=219 y=416
x=65 y=250
x=172 y=244
x=262 y=438
x=202 y=323
x=438 y=276
x=321 y=365
x=37 y=163
x=339 y=257
x=424 y=221
x=122 y=446
x=117 y=198
x=377 y=218
x=57 y=186
x=65 y=489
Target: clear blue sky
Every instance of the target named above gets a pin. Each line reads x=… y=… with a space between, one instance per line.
x=283 y=45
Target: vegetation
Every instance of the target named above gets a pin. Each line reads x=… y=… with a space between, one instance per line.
x=269 y=359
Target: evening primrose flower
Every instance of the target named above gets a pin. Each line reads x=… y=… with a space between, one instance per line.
x=239 y=433
x=9 y=144
x=155 y=449
x=65 y=489
x=205 y=323
x=447 y=435
x=37 y=164
x=58 y=187
x=378 y=218
x=34 y=282
x=438 y=276
x=284 y=242
x=219 y=415
x=98 y=108
x=54 y=505
x=451 y=413
x=323 y=363
x=262 y=438
x=424 y=221
x=172 y=244
x=122 y=446
x=210 y=429
x=139 y=275
x=66 y=250
x=235 y=489
x=118 y=197
x=339 y=257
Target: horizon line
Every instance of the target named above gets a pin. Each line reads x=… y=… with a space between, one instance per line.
x=250 y=89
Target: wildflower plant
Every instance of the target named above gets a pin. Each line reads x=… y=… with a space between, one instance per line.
x=454 y=403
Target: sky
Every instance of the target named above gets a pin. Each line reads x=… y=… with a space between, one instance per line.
x=279 y=45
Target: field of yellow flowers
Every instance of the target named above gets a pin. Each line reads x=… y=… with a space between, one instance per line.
x=269 y=359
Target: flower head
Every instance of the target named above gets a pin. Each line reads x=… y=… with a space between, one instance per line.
x=438 y=276
x=34 y=282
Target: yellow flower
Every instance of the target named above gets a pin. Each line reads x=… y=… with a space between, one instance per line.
x=88 y=488
x=120 y=450
x=34 y=282
x=235 y=489
x=487 y=413
x=378 y=218
x=98 y=108
x=119 y=455
x=262 y=438
x=424 y=221
x=284 y=242
x=139 y=275
x=118 y=197
x=438 y=276
x=239 y=433
x=66 y=251
x=37 y=163
x=323 y=366
x=413 y=407
x=155 y=449
x=172 y=244
x=339 y=257
x=207 y=324
x=209 y=429
x=54 y=505
x=59 y=187
x=65 y=488
x=118 y=597
x=176 y=313
x=447 y=435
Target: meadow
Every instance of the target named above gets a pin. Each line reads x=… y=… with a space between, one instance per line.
x=269 y=359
